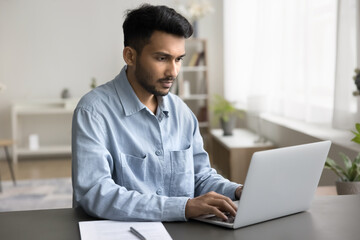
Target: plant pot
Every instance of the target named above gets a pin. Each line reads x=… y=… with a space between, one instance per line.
x=346 y=188
x=228 y=126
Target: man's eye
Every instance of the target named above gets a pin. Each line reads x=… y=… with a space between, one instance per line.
x=179 y=59
x=161 y=59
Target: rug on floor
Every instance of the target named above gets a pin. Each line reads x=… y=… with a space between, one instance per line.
x=36 y=194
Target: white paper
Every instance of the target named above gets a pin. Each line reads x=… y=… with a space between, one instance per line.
x=108 y=230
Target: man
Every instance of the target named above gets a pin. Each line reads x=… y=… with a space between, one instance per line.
x=137 y=151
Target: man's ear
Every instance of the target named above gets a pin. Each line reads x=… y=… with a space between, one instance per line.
x=129 y=55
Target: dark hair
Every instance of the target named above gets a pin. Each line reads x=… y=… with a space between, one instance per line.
x=140 y=24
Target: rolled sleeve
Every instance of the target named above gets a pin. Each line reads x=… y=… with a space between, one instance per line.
x=174 y=209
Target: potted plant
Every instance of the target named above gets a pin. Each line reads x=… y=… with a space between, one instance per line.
x=226 y=112
x=349 y=175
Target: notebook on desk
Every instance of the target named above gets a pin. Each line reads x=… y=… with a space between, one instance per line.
x=279 y=182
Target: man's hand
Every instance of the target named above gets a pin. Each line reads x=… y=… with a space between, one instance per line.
x=210 y=203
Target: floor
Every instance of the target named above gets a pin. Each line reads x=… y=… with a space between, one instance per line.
x=37 y=168
x=61 y=167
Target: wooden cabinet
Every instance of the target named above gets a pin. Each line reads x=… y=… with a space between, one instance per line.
x=231 y=155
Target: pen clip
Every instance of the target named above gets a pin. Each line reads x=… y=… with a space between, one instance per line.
x=137 y=233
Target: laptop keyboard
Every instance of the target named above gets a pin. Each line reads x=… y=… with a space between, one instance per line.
x=229 y=220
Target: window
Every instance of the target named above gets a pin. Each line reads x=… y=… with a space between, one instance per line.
x=286 y=52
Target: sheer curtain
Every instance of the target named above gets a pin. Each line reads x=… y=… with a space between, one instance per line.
x=285 y=52
x=345 y=104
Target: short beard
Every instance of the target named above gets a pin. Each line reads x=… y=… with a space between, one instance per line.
x=143 y=78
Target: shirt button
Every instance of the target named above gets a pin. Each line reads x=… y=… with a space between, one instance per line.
x=158 y=152
x=159 y=191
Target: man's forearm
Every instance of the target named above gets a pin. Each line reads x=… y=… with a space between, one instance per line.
x=211 y=181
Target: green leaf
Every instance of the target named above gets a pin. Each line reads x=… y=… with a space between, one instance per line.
x=347 y=162
x=352 y=173
x=357 y=134
x=357 y=159
x=357 y=126
x=357 y=179
x=356 y=139
x=332 y=165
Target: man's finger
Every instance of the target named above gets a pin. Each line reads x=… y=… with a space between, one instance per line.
x=223 y=198
x=223 y=205
x=217 y=212
x=233 y=205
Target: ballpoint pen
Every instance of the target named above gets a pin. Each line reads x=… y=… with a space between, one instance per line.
x=136 y=233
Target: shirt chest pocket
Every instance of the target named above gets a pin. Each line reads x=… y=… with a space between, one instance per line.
x=182 y=176
x=133 y=171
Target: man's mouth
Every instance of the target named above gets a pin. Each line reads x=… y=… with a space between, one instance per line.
x=166 y=83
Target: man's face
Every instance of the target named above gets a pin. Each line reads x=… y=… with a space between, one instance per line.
x=159 y=63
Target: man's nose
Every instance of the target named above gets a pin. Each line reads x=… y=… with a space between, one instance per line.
x=172 y=69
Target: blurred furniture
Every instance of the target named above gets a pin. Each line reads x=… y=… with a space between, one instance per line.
x=326 y=191
x=49 y=120
x=6 y=144
x=192 y=83
x=232 y=154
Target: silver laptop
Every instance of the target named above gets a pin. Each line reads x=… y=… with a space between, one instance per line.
x=279 y=182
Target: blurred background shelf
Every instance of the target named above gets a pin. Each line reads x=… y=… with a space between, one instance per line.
x=192 y=85
x=29 y=118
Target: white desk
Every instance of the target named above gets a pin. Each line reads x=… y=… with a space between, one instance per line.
x=232 y=154
x=50 y=119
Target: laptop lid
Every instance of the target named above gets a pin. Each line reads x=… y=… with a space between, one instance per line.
x=280 y=182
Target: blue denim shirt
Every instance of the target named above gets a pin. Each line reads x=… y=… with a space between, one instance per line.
x=129 y=164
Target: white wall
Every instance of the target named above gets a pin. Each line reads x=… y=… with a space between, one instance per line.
x=211 y=28
x=49 y=45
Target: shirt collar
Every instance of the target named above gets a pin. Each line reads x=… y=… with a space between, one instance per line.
x=130 y=102
x=163 y=108
x=128 y=99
